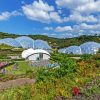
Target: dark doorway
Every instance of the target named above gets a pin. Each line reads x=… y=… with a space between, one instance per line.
x=41 y=56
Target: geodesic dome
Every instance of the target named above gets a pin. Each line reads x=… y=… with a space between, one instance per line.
x=62 y=50
x=25 y=42
x=10 y=42
x=40 y=44
x=73 y=50
x=90 y=47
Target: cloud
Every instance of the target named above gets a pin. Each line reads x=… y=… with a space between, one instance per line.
x=41 y=11
x=84 y=26
x=90 y=27
x=92 y=7
x=63 y=29
x=72 y=4
x=59 y=29
x=55 y=17
x=76 y=30
x=82 y=6
x=48 y=28
x=6 y=15
x=86 y=29
x=60 y=11
x=77 y=17
x=80 y=10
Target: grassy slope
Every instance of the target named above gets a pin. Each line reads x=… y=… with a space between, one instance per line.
x=52 y=86
x=22 y=68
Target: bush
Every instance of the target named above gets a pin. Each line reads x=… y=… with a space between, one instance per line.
x=30 y=74
x=86 y=57
x=67 y=66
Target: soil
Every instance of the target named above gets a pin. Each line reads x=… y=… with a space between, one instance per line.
x=15 y=83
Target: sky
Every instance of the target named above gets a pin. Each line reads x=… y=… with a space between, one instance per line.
x=55 y=18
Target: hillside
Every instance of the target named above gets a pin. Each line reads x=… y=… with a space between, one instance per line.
x=60 y=43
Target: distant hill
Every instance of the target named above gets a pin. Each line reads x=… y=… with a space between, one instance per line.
x=55 y=42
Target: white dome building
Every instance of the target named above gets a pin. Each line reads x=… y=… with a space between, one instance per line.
x=35 y=55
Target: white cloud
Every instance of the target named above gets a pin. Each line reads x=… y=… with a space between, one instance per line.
x=63 y=29
x=91 y=7
x=42 y=6
x=77 y=17
x=48 y=28
x=6 y=15
x=55 y=17
x=82 y=6
x=35 y=14
x=60 y=11
x=59 y=29
x=71 y=4
x=77 y=30
x=41 y=11
x=86 y=29
x=81 y=10
x=90 y=27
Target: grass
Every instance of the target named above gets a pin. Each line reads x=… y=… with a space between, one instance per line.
x=22 y=68
x=23 y=71
x=53 y=83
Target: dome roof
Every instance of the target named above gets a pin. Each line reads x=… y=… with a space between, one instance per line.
x=85 y=48
x=62 y=50
x=40 y=44
x=73 y=50
x=25 y=42
x=27 y=53
x=90 y=47
x=10 y=42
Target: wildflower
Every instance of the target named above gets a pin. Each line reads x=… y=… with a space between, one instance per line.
x=75 y=91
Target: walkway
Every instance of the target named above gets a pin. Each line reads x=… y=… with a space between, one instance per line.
x=15 y=83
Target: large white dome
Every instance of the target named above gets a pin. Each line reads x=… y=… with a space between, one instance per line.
x=28 y=52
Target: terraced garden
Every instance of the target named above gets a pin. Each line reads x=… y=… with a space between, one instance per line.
x=74 y=79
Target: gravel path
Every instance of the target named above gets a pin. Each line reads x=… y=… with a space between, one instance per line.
x=15 y=83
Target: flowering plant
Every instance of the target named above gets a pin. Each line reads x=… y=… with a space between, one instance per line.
x=75 y=91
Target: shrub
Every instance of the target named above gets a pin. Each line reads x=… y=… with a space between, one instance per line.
x=30 y=74
x=86 y=57
x=67 y=65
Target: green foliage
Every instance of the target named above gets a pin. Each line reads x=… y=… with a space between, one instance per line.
x=86 y=57
x=67 y=66
x=30 y=73
x=54 y=82
x=3 y=46
x=20 y=93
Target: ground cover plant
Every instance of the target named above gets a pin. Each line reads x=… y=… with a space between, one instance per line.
x=17 y=69
x=65 y=82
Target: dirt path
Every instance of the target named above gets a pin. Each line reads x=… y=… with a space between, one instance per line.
x=15 y=83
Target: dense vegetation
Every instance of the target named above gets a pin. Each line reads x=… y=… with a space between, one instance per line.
x=55 y=42
x=56 y=82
